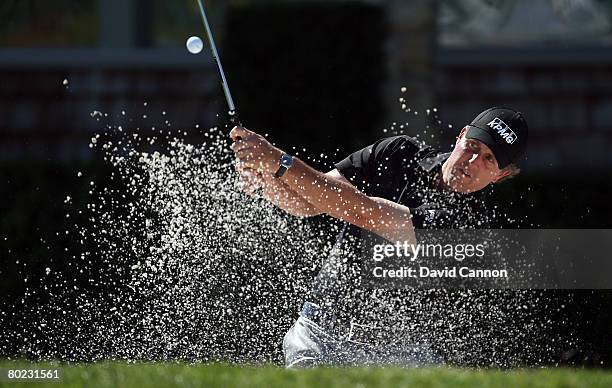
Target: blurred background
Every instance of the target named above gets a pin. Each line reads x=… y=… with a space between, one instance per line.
x=319 y=75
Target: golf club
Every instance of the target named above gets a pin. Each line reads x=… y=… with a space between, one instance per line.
x=228 y=95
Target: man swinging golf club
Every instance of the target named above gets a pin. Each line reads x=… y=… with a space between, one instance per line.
x=389 y=189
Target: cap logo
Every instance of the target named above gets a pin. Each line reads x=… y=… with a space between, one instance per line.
x=503 y=130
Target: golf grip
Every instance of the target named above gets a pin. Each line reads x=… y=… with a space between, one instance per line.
x=236 y=121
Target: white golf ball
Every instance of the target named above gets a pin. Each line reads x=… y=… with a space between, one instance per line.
x=194 y=45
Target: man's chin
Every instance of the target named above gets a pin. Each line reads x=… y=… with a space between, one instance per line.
x=461 y=185
x=464 y=190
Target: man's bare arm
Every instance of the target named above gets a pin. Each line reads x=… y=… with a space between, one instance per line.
x=275 y=191
x=282 y=196
x=335 y=195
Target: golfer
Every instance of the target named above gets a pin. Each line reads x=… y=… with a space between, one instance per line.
x=389 y=188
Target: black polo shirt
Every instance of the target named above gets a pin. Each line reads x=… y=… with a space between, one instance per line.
x=403 y=170
x=406 y=171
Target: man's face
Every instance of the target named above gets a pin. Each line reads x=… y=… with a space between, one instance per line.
x=471 y=166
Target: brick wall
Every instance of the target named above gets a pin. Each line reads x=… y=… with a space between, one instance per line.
x=568 y=108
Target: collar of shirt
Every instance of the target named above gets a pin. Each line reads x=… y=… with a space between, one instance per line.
x=432 y=168
x=429 y=164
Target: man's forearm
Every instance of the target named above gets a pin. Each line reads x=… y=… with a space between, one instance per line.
x=316 y=188
x=344 y=201
x=333 y=196
x=281 y=195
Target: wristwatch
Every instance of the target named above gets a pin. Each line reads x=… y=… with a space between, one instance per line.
x=286 y=161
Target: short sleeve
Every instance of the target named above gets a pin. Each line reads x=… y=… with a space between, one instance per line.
x=369 y=165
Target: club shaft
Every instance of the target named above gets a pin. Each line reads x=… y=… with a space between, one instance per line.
x=226 y=91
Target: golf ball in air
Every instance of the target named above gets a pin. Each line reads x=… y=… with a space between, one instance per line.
x=194 y=45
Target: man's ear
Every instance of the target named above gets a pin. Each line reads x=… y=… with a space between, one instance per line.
x=461 y=134
x=502 y=174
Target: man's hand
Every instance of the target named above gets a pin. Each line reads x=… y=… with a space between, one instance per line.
x=251 y=180
x=256 y=162
x=254 y=152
